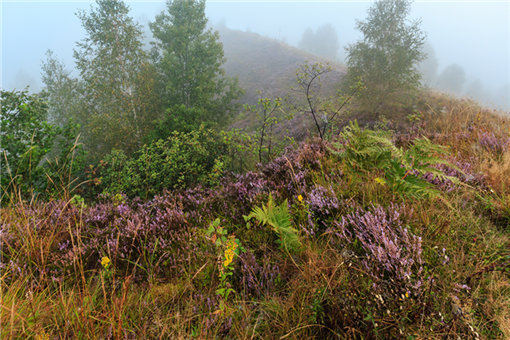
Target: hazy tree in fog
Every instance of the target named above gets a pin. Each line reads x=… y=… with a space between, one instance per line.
x=190 y=59
x=307 y=40
x=428 y=66
x=386 y=58
x=475 y=90
x=64 y=92
x=452 y=79
x=114 y=69
x=324 y=42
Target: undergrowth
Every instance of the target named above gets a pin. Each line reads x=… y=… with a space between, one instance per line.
x=377 y=234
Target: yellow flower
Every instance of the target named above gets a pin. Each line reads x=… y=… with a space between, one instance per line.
x=380 y=180
x=42 y=336
x=105 y=261
x=229 y=256
x=232 y=244
x=300 y=198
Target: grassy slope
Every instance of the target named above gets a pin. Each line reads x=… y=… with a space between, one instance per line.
x=267 y=68
x=266 y=65
x=164 y=273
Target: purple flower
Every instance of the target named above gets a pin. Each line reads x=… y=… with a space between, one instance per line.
x=390 y=249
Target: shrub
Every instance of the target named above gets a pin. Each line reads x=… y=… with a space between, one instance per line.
x=37 y=157
x=182 y=160
x=391 y=253
x=323 y=204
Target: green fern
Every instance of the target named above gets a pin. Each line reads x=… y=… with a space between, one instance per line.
x=279 y=219
x=366 y=151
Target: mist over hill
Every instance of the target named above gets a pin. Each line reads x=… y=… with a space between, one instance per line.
x=267 y=67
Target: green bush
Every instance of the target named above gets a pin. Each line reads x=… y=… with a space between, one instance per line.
x=179 y=161
x=178 y=118
x=37 y=158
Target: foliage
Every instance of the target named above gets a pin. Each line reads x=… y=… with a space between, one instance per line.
x=117 y=79
x=34 y=152
x=280 y=220
x=265 y=113
x=190 y=59
x=26 y=139
x=178 y=118
x=365 y=151
x=65 y=94
x=181 y=160
x=387 y=57
x=240 y=155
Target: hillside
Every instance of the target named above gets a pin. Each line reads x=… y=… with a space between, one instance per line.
x=267 y=68
x=267 y=65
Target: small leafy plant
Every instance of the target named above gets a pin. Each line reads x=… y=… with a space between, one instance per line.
x=279 y=219
x=228 y=247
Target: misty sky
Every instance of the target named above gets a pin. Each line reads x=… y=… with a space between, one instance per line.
x=472 y=34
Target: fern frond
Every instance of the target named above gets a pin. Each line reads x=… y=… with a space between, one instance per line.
x=373 y=150
x=279 y=219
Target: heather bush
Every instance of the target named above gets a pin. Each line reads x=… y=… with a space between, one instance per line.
x=290 y=174
x=389 y=251
x=322 y=205
x=258 y=278
x=492 y=143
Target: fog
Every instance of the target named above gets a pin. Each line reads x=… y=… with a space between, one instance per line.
x=468 y=42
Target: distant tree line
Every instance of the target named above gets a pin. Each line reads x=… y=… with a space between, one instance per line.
x=323 y=42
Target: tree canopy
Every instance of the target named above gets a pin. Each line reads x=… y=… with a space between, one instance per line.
x=190 y=59
x=114 y=69
x=387 y=56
